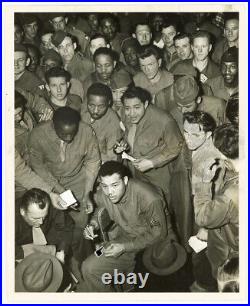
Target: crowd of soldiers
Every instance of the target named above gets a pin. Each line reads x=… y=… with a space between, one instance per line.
x=137 y=114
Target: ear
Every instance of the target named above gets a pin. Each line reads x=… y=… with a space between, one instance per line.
x=146 y=104
x=108 y=46
x=192 y=48
x=22 y=212
x=125 y=179
x=115 y=63
x=74 y=45
x=68 y=84
x=66 y=19
x=209 y=134
x=159 y=61
x=133 y=35
x=198 y=100
x=27 y=62
x=210 y=47
x=47 y=87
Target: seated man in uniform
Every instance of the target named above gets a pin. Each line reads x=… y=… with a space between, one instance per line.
x=137 y=211
x=231 y=39
x=38 y=226
x=59 y=22
x=153 y=137
x=170 y=55
x=30 y=29
x=152 y=77
x=65 y=153
x=58 y=84
x=105 y=72
x=226 y=86
x=23 y=78
x=201 y=46
x=103 y=119
x=74 y=62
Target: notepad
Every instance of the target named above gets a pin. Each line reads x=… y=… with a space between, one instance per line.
x=127 y=156
x=68 y=198
x=196 y=244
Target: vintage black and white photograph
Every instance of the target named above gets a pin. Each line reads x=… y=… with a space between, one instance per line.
x=126 y=150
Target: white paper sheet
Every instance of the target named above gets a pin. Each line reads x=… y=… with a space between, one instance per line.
x=196 y=244
x=68 y=197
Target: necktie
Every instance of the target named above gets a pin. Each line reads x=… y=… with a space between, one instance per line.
x=38 y=236
x=131 y=136
x=63 y=150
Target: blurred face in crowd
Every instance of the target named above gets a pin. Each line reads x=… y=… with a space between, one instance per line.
x=96 y=44
x=104 y=66
x=168 y=35
x=108 y=28
x=117 y=95
x=143 y=34
x=34 y=216
x=34 y=59
x=31 y=30
x=183 y=48
x=131 y=57
x=21 y=60
x=18 y=36
x=229 y=72
x=114 y=187
x=93 y=21
x=201 y=48
x=231 y=30
x=67 y=49
x=157 y=23
x=50 y=63
x=59 y=23
x=19 y=114
x=97 y=106
x=66 y=132
x=58 y=87
x=194 y=135
x=150 y=66
x=134 y=109
x=46 y=41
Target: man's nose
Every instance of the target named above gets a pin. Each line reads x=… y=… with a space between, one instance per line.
x=110 y=191
x=132 y=113
x=96 y=109
x=40 y=221
x=59 y=89
x=103 y=69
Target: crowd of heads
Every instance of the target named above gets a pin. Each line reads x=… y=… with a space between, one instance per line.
x=122 y=49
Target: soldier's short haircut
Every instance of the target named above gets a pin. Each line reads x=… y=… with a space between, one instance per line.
x=204 y=120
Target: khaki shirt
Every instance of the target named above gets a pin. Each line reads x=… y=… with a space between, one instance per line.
x=107 y=131
x=139 y=215
x=159 y=139
x=82 y=157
